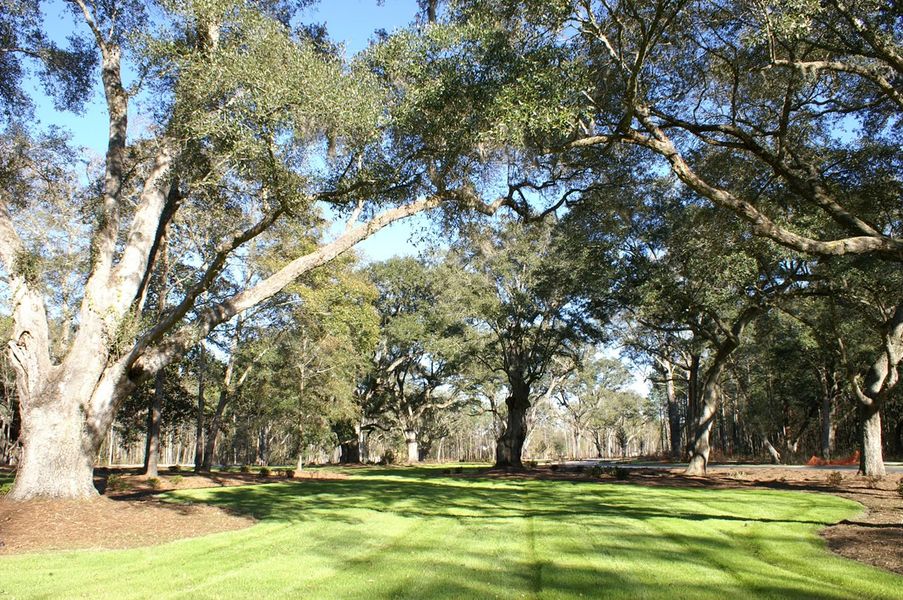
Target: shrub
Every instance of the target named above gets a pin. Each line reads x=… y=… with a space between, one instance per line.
x=532 y=464
x=115 y=483
x=872 y=481
x=264 y=472
x=153 y=483
x=621 y=473
x=388 y=457
x=596 y=471
x=290 y=473
x=245 y=469
x=834 y=478
x=176 y=479
x=175 y=468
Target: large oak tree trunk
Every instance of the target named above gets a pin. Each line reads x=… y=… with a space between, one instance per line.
x=410 y=439
x=58 y=456
x=63 y=426
x=510 y=445
x=349 y=452
x=878 y=382
x=871 y=457
x=700 y=447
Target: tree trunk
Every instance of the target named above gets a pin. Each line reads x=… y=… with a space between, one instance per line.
x=871 y=457
x=410 y=438
x=692 y=401
x=299 y=464
x=199 y=429
x=700 y=447
x=152 y=446
x=212 y=433
x=830 y=393
x=349 y=452
x=57 y=454
x=878 y=382
x=711 y=392
x=773 y=452
x=510 y=444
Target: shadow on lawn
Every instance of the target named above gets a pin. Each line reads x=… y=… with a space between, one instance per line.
x=462 y=499
x=404 y=533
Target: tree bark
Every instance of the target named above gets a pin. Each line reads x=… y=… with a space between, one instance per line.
x=215 y=424
x=510 y=445
x=199 y=429
x=830 y=394
x=57 y=459
x=871 y=456
x=701 y=447
x=349 y=452
x=410 y=438
x=152 y=446
x=879 y=380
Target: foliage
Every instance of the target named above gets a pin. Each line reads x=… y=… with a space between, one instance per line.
x=834 y=478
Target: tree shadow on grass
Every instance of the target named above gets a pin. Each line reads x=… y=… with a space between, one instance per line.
x=445 y=498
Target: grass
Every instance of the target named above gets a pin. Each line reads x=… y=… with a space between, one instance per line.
x=408 y=533
x=6 y=482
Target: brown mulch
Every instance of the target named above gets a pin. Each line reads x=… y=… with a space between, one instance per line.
x=874 y=537
x=130 y=484
x=105 y=523
x=129 y=516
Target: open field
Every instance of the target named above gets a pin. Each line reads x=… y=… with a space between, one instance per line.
x=408 y=533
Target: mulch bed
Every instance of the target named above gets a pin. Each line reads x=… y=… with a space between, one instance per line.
x=129 y=516
x=105 y=523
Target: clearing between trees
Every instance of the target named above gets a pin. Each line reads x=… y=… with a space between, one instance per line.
x=433 y=533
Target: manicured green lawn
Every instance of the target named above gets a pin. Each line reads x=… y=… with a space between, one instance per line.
x=408 y=533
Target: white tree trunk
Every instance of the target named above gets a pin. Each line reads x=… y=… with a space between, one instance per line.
x=410 y=437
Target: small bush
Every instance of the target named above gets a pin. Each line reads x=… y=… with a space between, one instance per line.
x=245 y=469
x=175 y=468
x=388 y=457
x=115 y=483
x=532 y=464
x=176 y=479
x=289 y=473
x=264 y=472
x=596 y=471
x=834 y=478
x=872 y=481
x=153 y=483
x=621 y=473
